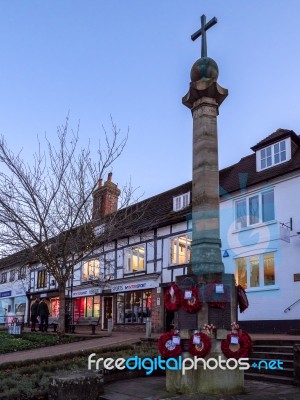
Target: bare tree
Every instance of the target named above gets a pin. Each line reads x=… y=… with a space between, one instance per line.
x=46 y=207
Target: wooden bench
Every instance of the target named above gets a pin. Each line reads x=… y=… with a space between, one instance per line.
x=83 y=321
x=53 y=321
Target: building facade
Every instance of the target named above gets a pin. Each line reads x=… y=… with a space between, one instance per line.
x=125 y=279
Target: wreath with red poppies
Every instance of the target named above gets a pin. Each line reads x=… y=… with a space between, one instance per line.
x=213 y=299
x=172 y=298
x=166 y=346
x=244 y=342
x=201 y=349
x=193 y=304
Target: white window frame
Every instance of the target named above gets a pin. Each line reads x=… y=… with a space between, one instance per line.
x=248 y=219
x=92 y=267
x=250 y=259
x=4 y=277
x=42 y=279
x=182 y=201
x=130 y=255
x=261 y=154
x=179 y=243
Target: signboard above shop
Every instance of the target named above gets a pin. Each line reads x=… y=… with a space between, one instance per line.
x=5 y=294
x=126 y=287
x=86 y=292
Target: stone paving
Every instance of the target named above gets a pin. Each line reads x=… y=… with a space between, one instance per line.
x=153 y=388
x=96 y=343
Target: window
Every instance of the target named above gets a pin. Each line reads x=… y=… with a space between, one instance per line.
x=12 y=275
x=4 y=277
x=99 y=230
x=274 y=154
x=255 y=209
x=255 y=271
x=22 y=273
x=42 y=279
x=181 y=249
x=135 y=259
x=90 y=270
x=181 y=201
x=134 y=307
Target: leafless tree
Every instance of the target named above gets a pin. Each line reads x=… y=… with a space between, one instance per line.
x=46 y=207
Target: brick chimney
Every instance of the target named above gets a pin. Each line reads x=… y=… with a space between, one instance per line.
x=105 y=198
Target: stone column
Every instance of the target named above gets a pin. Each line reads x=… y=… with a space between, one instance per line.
x=206 y=256
x=204 y=98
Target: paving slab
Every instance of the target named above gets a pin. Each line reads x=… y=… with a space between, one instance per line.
x=153 y=388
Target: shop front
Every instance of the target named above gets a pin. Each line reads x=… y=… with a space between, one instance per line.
x=134 y=304
x=12 y=304
x=86 y=303
x=52 y=301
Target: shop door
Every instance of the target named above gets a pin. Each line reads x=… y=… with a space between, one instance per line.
x=107 y=306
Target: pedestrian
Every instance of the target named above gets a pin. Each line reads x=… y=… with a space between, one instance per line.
x=43 y=312
x=33 y=314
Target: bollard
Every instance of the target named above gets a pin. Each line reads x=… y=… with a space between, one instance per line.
x=109 y=326
x=148 y=328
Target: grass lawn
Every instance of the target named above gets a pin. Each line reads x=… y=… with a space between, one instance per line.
x=29 y=380
x=27 y=341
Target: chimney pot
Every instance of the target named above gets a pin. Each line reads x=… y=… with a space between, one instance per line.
x=109 y=176
x=100 y=183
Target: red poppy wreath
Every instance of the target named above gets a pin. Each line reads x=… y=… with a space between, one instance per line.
x=192 y=304
x=244 y=349
x=166 y=346
x=215 y=300
x=201 y=349
x=172 y=298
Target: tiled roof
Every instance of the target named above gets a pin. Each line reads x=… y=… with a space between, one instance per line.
x=275 y=136
x=158 y=210
x=243 y=174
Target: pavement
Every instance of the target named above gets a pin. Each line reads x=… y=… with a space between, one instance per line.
x=153 y=388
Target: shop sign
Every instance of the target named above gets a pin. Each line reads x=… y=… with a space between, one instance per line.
x=19 y=292
x=5 y=294
x=125 y=287
x=86 y=292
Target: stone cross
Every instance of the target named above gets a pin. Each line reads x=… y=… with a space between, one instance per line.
x=204 y=27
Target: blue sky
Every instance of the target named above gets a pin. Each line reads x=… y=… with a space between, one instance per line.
x=132 y=59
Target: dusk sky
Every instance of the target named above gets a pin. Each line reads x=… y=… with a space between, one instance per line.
x=132 y=59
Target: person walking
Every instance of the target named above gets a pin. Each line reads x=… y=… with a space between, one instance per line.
x=43 y=312
x=34 y=314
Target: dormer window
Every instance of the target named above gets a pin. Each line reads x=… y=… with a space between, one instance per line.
x=182 y=201
x=274 y=154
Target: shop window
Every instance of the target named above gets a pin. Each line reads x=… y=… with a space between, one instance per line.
x=135 y=259
x=86 y=307
x=90 y=270
x=181 y=249
x=255 y=271
x=97 y=308
x=42 y=279
x=79 y=307
x=255 y=209
x=54 y=307
x=4 y=277
x=133 y=307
